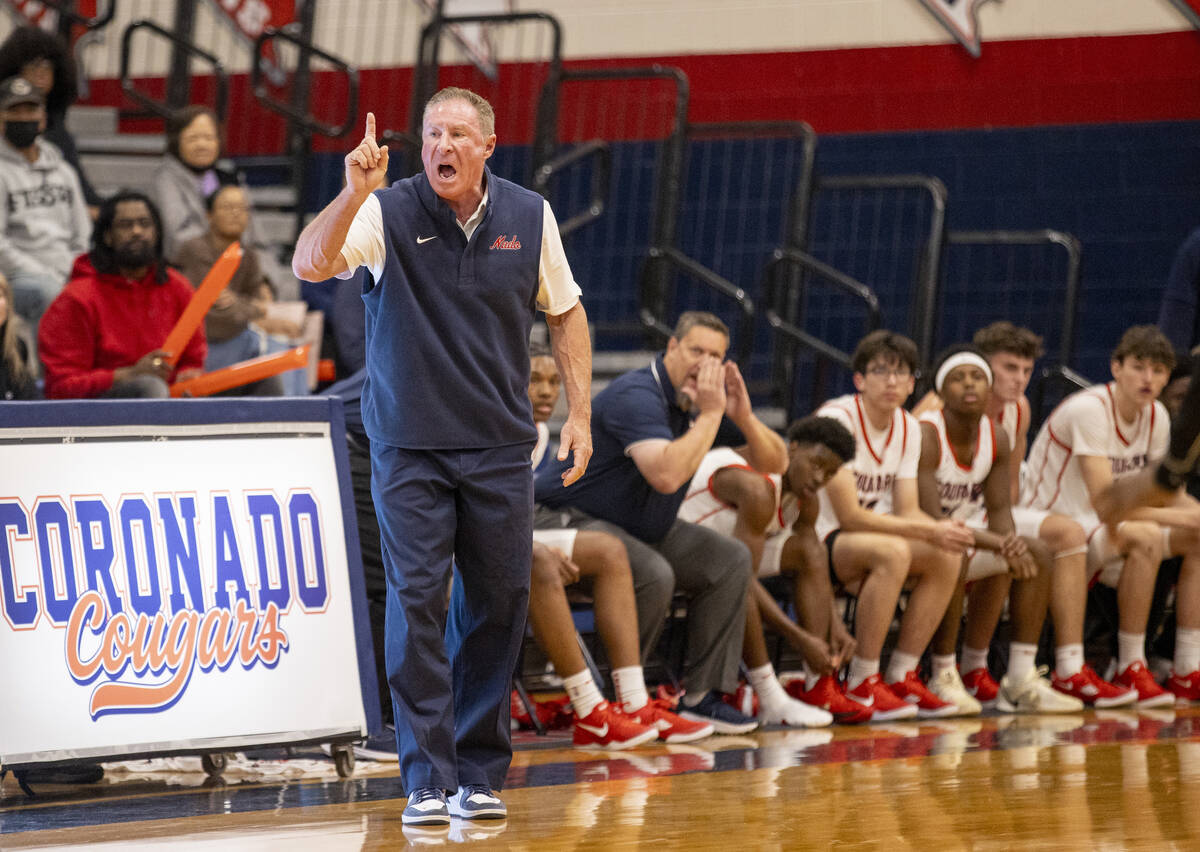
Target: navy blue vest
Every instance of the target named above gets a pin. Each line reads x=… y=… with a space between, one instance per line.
x=448 y=322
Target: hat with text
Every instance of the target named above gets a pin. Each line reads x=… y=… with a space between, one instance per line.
x=18 y=90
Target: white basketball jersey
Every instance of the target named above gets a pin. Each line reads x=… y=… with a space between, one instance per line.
x=702 y=506
x=1087 y=423
x=960 y=487
x=1010 y=422
x=881 y=457
x=543 y=442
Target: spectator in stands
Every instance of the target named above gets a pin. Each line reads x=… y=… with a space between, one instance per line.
x=237 y=322
x=190 y=172
x=773 y=515
x=652 y=428
x=16 y=380
x=43 y=217
x=103 y=335
x=44 y=60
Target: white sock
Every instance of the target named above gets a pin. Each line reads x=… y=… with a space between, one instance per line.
x=860 y=670
x=974 y=658
x=943 y=663
x=767 y=687
x=630 y=684
x=1068 y=660
x=900 y=665
x=583 y=692
x=1021 y=657
x=692 y=699
x=1131 y=648
x=1187 y=650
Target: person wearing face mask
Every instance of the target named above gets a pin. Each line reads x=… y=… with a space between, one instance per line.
x=45 y=60
x=102 y=336
x=43 y=216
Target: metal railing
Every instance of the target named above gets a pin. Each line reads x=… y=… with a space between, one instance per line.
x=182 y=47
x=922 y=247
x=1017 y=264
x=596 y=150
x=787 y=278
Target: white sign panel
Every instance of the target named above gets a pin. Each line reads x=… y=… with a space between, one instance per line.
x=169 y=586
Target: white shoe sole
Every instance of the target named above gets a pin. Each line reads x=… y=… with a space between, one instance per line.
x=720 y=727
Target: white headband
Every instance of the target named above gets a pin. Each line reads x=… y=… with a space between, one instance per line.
x=958 y=360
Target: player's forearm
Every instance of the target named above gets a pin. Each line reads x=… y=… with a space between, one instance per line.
x=766 y=451
x=681 y=458
x=572 y=348
x=318 y=252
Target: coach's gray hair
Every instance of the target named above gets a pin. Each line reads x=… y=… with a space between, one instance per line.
x=487 y=116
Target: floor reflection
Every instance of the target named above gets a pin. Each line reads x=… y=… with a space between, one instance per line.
x=1107 y=779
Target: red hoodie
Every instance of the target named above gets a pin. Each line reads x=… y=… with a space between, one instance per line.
x=101 y=322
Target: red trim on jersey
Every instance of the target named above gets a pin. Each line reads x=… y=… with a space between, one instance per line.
x=1112 y=400
x=727 y=505
x=963 y=467
x=992 y=426
x=862 y=422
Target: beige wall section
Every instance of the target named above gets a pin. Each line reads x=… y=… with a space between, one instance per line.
x=629 y=27
x=372 y=33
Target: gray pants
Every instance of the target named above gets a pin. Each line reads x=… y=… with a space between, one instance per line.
x=711 y=570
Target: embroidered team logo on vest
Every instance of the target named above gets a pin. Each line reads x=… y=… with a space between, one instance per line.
x=502 y=242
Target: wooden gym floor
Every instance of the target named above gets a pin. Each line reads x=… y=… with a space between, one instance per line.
x=1099 y=780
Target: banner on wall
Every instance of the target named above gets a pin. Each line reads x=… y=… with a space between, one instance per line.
x=172 y=588
x=961 y=18
x=250 y=17
x=46 y=17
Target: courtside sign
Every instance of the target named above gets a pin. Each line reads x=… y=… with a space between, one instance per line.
x=166 y=587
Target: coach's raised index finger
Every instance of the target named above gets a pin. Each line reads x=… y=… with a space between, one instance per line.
x=370 y=134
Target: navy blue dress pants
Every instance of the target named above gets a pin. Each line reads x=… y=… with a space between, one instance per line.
x=470 y=511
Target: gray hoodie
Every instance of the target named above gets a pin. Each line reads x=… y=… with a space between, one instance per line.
x=44 y=221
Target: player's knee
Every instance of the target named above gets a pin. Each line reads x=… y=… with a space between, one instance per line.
x=1143 y=539
x=894 y=555
x=1061 y=534
x=544 y=573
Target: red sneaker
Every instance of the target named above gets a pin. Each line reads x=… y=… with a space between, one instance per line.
x=1185 y=688
x=1149 y=694
x=744 y=700
x=554 y=714
x=916 y=693
x=1088 y=687
x=608 y=727
x=656 y=714
x=980 y=684
x=887 y=706
x=828 y=694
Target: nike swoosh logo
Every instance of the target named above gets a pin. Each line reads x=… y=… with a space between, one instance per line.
x=425 y=239
x=600 y=732
x=865 y=702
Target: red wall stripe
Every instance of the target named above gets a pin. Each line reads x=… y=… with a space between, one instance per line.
x=1079 y=80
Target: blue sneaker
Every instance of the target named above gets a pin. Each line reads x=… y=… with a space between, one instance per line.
x=723 y=718
x=476 y=801
x=426 y=806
